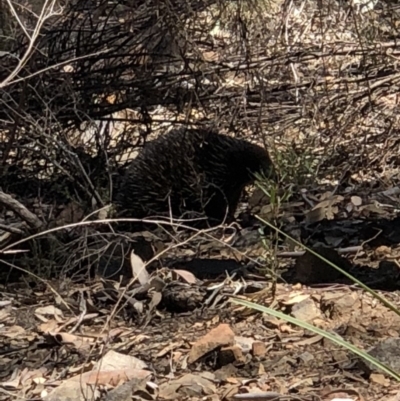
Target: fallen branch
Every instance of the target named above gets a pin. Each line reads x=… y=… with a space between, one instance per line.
x=11 y=229
x=31 y=219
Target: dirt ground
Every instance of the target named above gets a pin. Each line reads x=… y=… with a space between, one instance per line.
x=176 y=334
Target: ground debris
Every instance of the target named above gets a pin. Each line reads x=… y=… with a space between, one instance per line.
x=221 y=349
x=387 y=352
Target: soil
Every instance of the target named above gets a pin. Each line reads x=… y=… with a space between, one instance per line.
x=177 y=335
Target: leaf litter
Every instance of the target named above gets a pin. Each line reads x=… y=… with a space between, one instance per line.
x=219 y=349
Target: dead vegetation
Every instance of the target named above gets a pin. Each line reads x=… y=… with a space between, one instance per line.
x=83 y=85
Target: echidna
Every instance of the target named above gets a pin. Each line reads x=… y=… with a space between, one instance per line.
x=189 y=173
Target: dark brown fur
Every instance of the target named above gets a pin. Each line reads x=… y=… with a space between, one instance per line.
x=190 y=170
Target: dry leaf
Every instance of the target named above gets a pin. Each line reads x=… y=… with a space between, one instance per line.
x=315 y=215
x=14 y=332
x=48 y=327
x=48 y=310
x=115 y=360
x=356 y=200
x=186 y=275
x=379 y=378
x=138 y=269
x=295 y=299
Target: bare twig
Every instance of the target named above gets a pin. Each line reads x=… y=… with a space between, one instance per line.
x=47 y=12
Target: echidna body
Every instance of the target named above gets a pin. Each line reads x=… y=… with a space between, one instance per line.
x=190 y=173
